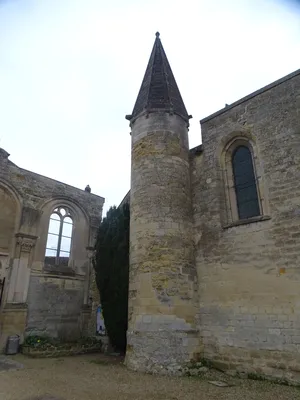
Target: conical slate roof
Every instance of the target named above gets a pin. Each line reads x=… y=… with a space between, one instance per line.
x=159 y=90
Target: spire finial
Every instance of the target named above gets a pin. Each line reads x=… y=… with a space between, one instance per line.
x=157 y=34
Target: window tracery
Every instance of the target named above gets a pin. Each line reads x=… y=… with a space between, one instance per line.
x=58 y=247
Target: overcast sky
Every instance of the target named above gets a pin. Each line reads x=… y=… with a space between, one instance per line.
x=71 y=69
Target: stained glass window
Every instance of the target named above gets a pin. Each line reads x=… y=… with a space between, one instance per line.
x=245 y=183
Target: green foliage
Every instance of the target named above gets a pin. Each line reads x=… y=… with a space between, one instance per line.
x=37 y=341
x=111 y=265
x=45 y=341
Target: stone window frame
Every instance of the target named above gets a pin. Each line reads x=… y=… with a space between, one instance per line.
x=80 y=236
x=68 y=214
x=231 y=209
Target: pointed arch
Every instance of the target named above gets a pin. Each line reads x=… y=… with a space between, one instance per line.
x=245 y=183
x=59 y=239
x=10 y=215
x=242 y=176
x=72 y=238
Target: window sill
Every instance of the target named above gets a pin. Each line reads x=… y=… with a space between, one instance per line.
x=248 y=221
x=59 y=270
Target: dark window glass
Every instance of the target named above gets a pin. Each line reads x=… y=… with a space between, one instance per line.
x=245 y=184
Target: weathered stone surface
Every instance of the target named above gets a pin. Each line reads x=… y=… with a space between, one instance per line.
x=247 y=271
x=55 y=307
x=163 y=283
x=13 y=322
x=7 y=220
x=58 y=298
x=249 y=274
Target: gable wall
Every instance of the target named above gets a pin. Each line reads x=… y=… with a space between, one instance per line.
x=249 y=275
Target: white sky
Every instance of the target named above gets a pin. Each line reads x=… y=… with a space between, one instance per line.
x=71 y=69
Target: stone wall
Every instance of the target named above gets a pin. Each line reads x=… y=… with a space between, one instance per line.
x=56 y=298
x=7 y=219
x=249 y=275
x=13 y=321
x=91 y=327
x=162 y=285
x=55 y=305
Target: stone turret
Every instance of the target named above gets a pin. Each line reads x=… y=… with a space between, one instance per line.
x=162 y=332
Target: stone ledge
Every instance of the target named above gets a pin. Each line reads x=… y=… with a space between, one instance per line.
x=46 y=275
x=59 y=270
x=25 y=235
x=14 y=307
x=61 y=352
x=247 y=221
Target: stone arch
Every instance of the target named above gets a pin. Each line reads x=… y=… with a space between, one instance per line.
x=80 y=235
x=10 y=215
x=227 y=140
x=226 y=149
x=61 y=200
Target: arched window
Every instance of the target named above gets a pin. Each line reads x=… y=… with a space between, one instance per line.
x=245 y=183
x=58 y=246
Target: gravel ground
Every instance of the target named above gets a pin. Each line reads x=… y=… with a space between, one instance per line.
x=96 y=377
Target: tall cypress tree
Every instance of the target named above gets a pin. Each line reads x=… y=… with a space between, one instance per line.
x=111 y=265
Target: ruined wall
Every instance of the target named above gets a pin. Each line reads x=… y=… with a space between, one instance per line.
x=249 y=274
x=8 y=210
x=51 y=299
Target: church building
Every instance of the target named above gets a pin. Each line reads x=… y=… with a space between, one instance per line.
x=214 y=237
x=215 y=230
